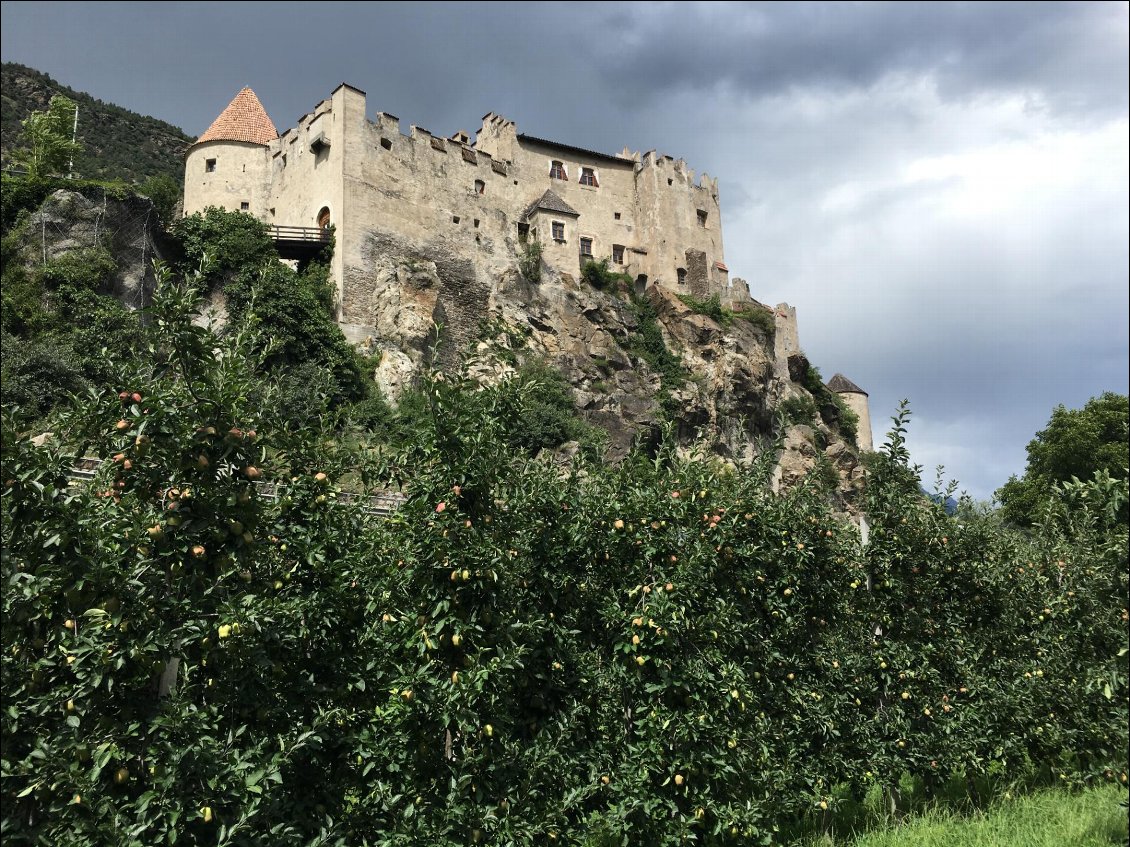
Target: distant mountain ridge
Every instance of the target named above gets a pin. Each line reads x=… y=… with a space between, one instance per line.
x=118 y=143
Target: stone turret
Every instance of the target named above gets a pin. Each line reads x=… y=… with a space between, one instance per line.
x=855 y=398
x=228 y=164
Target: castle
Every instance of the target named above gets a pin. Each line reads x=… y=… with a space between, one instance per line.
x=472 y=204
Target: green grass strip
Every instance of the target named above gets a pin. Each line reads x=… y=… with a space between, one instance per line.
x=1054 y=818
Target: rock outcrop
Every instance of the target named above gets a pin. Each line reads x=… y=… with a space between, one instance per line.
x=127 y=226
x=728 y=403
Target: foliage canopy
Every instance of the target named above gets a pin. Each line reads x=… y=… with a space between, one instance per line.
x=1076 y=443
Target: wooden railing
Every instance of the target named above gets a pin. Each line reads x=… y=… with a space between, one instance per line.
x=298 y=233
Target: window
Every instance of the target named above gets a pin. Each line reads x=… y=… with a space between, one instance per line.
x=681 y=273
x=617 y=254
x=586 y=247
x=557 y=171
x=480 y=186
x=455 y=219
x=324 y=218
x=616 y=216
x=244 y=206
x=209 y=166
x=588 y=177
x=670 y=181
x=701 y=218
x=523 y=233
x=386 y=144
x=558 y=231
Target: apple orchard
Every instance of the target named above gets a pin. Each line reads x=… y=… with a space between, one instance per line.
x=655 y=652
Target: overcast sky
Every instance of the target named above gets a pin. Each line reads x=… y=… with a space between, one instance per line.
x=940 y=189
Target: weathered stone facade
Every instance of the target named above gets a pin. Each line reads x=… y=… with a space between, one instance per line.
x=645 y=213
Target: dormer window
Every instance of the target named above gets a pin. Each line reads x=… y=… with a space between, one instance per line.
x=557 y=171
x=588 y=177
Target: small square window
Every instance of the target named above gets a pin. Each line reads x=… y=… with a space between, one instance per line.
x=244 y=206
x=558 y=231
x=616 y=216
x=386 y=144
x=617 y=254
x=476 y=223
x=702 y=217
x=480 y=186
x=586 y=247
x=209 y=166
x=670 y=181
x=455 y=219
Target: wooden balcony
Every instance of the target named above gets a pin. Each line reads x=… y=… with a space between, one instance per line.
x=298 y=242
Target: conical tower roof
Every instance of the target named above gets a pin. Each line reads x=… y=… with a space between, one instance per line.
x=840 y=384
x=244 y=119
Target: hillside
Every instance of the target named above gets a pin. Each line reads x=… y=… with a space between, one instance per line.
x=119 y=144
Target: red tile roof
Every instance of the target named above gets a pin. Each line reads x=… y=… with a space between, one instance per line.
x=244 y=119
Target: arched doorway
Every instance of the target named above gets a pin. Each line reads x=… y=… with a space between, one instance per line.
x=324 y=218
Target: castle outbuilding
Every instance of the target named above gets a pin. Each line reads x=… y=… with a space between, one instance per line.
x=855 y=398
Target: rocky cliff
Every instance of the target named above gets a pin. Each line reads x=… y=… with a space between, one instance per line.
x=724 y=393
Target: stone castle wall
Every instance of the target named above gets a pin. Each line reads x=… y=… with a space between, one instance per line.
x=647 y=212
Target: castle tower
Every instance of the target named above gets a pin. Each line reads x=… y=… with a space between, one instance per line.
x=228 y=164
x=855 y=398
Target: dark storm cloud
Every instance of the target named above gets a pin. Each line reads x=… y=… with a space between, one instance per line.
x=1066 y=51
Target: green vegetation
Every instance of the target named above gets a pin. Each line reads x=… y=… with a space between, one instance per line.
x=647 y=343
x=165 y=192
x=1092 y=818
x=117 y=144
x=48 y=147
x=547 y=414
x=833 y=410
x=529 y=261
x=799 y=410
x=712 y=307
x=1076 y=443
x=600 y=275
x=294 y=309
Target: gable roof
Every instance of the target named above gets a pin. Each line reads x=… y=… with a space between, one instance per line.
x=620 y=160
x=840 y=384
x=244 y=119
x=550 y=202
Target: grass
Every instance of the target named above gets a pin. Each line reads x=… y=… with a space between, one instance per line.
x=1052 y=818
